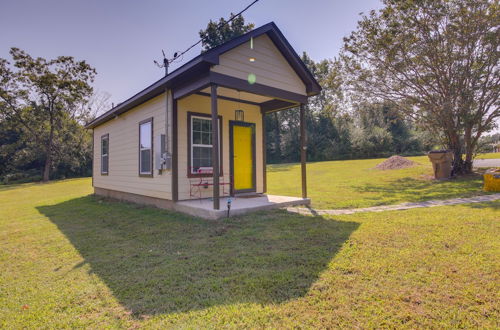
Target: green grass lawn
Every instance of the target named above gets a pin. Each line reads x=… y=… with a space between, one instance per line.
x=489 y=155
x=355 y=183
x=69 y=260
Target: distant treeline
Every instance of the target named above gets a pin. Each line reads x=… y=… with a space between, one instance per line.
x=373 y=131
x=23 y=160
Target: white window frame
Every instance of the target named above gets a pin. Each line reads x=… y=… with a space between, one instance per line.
x=103 y=155
x=202 y=145
x=150 y=172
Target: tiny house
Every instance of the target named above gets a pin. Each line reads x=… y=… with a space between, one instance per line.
x=197 y=135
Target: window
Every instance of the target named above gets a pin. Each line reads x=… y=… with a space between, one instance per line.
x=146 y=147
x=105 y=154
x=201 y=142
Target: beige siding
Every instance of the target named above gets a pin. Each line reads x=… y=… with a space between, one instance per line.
x=124 y=155
x=201 y=104
x=270 y=67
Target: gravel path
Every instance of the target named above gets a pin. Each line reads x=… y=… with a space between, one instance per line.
x=404 y=206
x=486 y=163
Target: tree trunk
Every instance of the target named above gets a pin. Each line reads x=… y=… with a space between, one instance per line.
x=46 y=169
x=456 y=147
x=468 y=162
x=469 y=151
x=48 y=159
x=458 y=163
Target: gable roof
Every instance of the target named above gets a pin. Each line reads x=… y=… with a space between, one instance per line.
x=209 y=58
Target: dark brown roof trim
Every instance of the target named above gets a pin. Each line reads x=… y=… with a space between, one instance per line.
x=192 y=86
x=223 y=80
x=195 y=67
x=265 y=90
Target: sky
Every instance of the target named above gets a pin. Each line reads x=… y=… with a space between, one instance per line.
x=122 y=38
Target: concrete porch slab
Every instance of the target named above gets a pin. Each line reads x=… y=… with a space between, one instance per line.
x=203 y=208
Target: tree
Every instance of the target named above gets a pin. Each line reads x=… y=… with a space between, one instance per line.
x=438 y=61
x=273 y=138
x=328 y=135
x=329 y=75
x=489 y=143
x=45 y=98
x=218 y=33
x=96 y=104
x=340 y=124
x=380 y=126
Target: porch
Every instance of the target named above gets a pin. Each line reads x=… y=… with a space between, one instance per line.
x=232 y=118
x=240 y=205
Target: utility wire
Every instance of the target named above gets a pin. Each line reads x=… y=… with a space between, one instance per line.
x=177 y=55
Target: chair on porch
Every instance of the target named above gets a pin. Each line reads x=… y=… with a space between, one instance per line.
x=203 y=182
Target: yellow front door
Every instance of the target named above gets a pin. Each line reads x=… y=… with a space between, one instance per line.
x=243 y=162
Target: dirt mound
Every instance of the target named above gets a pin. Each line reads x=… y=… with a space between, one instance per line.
x=395 y=163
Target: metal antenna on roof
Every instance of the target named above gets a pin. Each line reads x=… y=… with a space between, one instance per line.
x=165 y=63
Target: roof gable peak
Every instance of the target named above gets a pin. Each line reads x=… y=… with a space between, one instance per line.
x=279 y=40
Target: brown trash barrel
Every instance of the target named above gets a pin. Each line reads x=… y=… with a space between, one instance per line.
x=442 y=162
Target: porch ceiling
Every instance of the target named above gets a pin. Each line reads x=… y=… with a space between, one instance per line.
x=236 y=90
x=238 y=95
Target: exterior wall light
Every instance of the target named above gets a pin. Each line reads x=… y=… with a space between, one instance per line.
x=252 y=59
x=239 y=115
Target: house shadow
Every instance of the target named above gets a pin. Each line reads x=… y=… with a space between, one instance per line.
x=156 y=262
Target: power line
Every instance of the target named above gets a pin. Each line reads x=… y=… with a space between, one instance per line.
x=218 y=27
x=166 y=61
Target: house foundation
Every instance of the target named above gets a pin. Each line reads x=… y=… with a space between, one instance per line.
x=203 y=208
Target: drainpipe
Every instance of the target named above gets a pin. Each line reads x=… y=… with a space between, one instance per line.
x=167 y=121
x=168 y=113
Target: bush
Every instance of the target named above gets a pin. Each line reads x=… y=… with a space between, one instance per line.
x=21 y=177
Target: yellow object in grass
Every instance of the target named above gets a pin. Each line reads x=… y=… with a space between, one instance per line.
x=492 y=180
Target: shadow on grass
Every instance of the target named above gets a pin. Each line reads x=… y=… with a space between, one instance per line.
x=419 y=190
x=156 y=261
x=495 y=205
x=281 y=167
x=13 y=186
